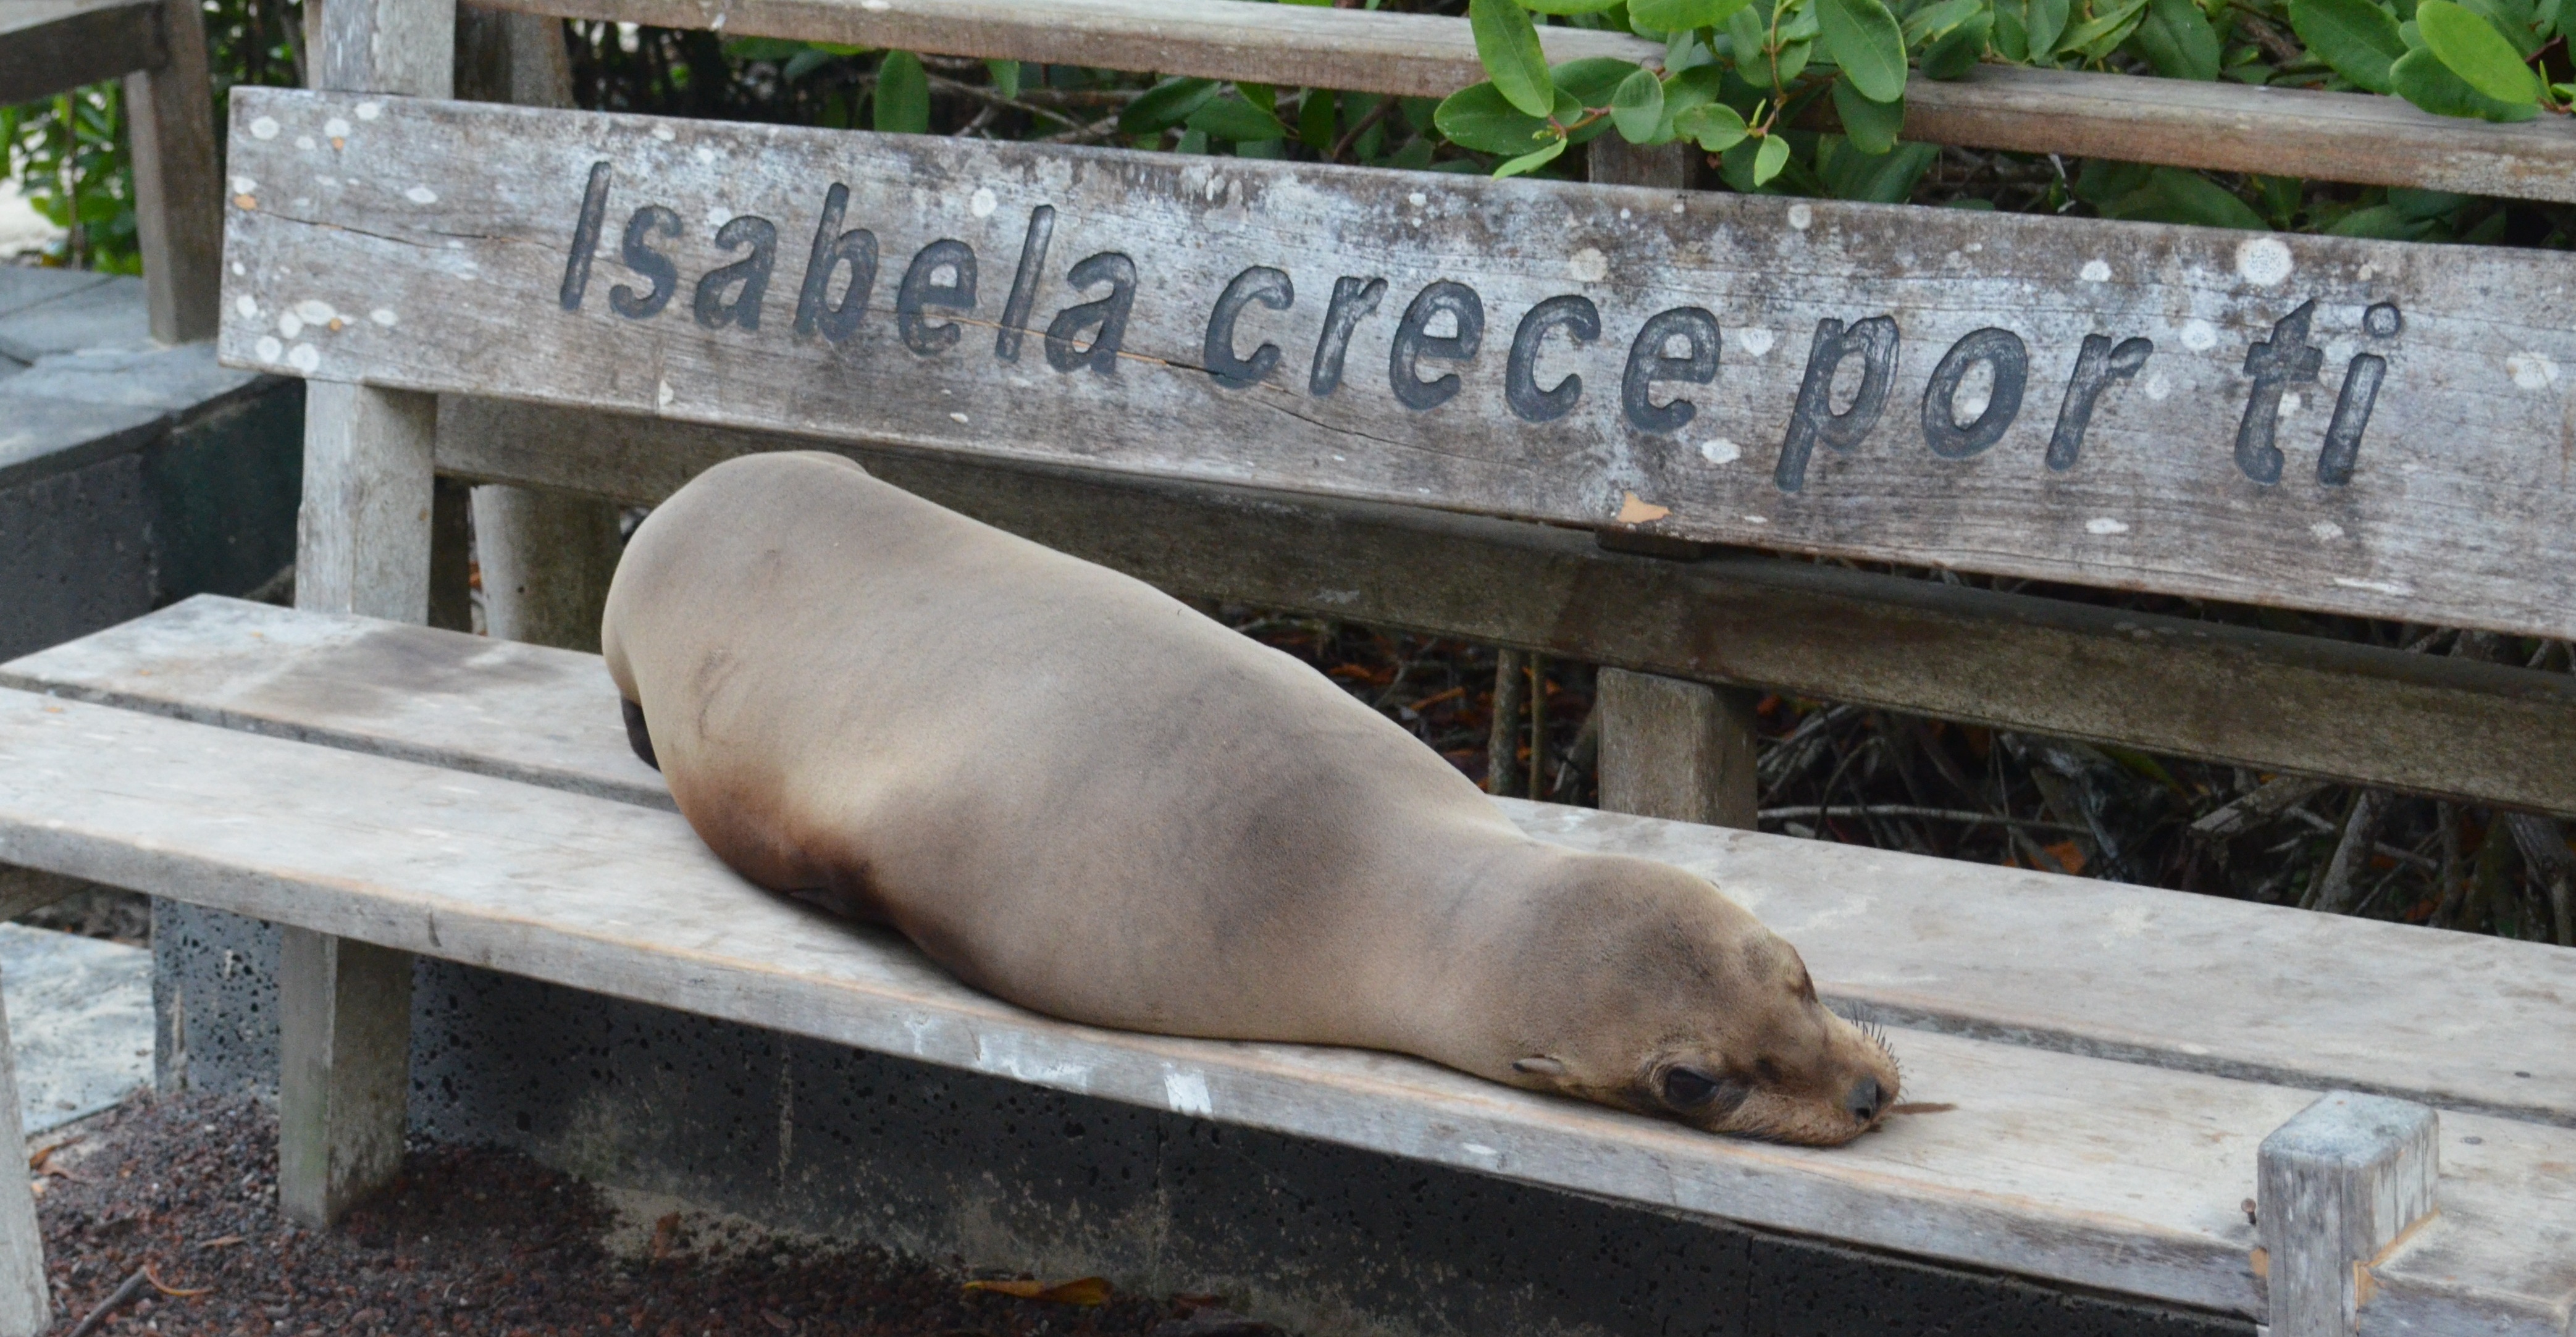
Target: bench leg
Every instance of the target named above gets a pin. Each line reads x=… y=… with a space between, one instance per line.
x=178 y=208
x=344 y=1071
x=24 y=1307
x=547 y=558
x=2335 y=1186
x=1675 y=749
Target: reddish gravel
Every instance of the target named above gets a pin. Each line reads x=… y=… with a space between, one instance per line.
x=476 y=1241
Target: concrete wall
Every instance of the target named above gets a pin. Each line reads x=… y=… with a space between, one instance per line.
x=130 y=475
x=946 y=1164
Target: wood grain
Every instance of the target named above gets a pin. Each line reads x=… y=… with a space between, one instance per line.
x=344 y=1050
x=1675 y=749
x=2087 y=1172
x=2341 y=1183
x=2480 y=732
x=459 y=230
x=178 y=203
x=2221 y=126
x=47 y=46
x=26 y=1308
x=2146 y=976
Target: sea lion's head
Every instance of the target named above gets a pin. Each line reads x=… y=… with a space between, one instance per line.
x=1647 y=989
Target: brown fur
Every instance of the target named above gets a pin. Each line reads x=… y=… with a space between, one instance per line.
x=1079 y=794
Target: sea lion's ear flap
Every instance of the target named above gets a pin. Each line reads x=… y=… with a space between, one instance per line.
x=1539 y=1065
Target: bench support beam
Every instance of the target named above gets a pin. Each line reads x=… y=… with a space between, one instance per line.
x=344 y=1071
x=2336 y=1186
x=178 y=211
x=1670 y=747
x=25 y=1309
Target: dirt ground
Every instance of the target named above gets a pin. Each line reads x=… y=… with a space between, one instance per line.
x=480 y=1241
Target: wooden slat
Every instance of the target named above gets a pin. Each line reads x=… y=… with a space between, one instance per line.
x=2480 y=732
x=178 y=203
x=2095 y=1173
x=459 y=234
x=47 y=46
x=25 y=1304
x=2223 y=126
x=2159 y=977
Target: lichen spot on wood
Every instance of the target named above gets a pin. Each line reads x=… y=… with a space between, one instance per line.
x=981 y=203
x=368 y=111
x=421 y=195
x=263 y=127
x=1588 y=265
x=665 y=133
x=1720 y=451
x=1801 y=216
x=336 y=128
x=2263 y=261
x=2105 y=525
x=2095 y=271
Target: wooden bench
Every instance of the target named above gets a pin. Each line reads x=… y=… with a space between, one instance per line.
x=2121 y=1056
x=431 y=792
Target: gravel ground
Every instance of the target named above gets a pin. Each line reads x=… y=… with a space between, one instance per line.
x=473 y=1240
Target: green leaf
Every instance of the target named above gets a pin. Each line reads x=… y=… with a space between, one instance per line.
x=2172 y=195
x=1570 y=6
x=1881 y=178
x=1792 y=59
x=2175 y=38
x=1870 y=126
x=1263 y=96
x=1957 y=51
x=903 y=95
x=1674 y=16
x=2356 y=37
x=1165 y=105
x=1236 y=119
x=1769 y=159
x=1477 y=117
x=1933 y=20
x=1716 y=127
x=1316 y=122
x=2044 y=22
x=2420 y=77
x=2514 y=19
x=1865 y=40
x=2382 y=222
x=1637 y=107
x=1006 y=77
x=1746 y=32
x=1531 y=162
x=1594 y=80
x=2473 y=49
x=2097 y=35
x=1507 y=42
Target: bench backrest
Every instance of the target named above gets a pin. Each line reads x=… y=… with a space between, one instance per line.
x=2348 y=426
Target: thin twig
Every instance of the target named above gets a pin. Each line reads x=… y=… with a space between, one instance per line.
x=1384 y=109
x=97 y=1317
x=993 y=99
x=1820 y=811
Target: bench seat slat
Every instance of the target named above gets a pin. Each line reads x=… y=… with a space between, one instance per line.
x=2168 y=978
x=2077 y=1169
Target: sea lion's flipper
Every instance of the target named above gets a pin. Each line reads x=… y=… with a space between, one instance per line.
x=636 y=737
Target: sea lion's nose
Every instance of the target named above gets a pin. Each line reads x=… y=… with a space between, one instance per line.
x=1863 y=1102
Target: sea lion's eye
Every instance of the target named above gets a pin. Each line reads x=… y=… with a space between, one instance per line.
x=1688 y=1088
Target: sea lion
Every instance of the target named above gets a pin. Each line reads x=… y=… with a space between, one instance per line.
x=1080 y=794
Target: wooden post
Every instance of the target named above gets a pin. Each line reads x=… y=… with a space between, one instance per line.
x=363 y=545
x=1674 y=749
x=178 y=203
x=24 y=1306
x=344 y=1042
x=2335 y=1186
x=546 y=556
x=1669 y=748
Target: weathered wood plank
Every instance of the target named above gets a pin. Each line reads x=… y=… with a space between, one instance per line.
x=2157 y=977
x=2071 y=1168
x=47 y=46
x=2480 y=732
x=2226 y=127
x=2339 y=1184
x=344 y=1050
x=26 y=1307
x=363 y=533
x=1679 y=750
x=178 y=203
x=459 y=229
